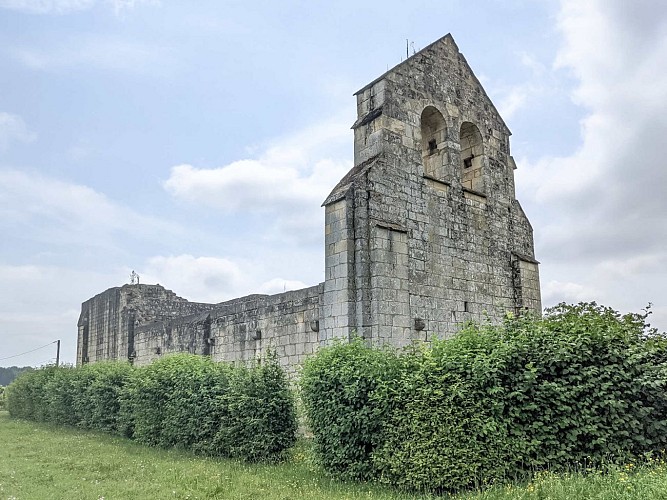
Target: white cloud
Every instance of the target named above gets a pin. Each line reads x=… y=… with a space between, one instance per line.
x=212 y=279
x=13 y=128
x=512 y=101
x=279 y=285
x=54 y=212
x=40 y=304
x=96 y=51
x=202 y=279
x=539 y=84
x=260 y=185
x=46 y=6
x=599 y=213
x=67 y=6
x=556 y=291
x=289 y=181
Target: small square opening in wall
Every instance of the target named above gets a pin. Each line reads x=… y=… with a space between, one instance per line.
x=467 y=163
x=432 y=146
x=466 y=306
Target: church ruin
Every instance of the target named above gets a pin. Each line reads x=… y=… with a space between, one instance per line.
x=423 y=234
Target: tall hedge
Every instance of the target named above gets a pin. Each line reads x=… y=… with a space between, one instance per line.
x=583 y=384
x=445 y=430
x=260 y=418
x=183 y=400
x=97 y=401
x=178 y=401
x=59 y=392
x=341 y=388
x=27 y=397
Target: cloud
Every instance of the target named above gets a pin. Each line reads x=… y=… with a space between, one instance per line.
x=288 y=180
x=558 y=291
x=12 y=129
x=68 y=6
x=47 y=6
x=96 y=51
x=202 y=279
x=604 y=205
x=40 y=304
x=212 y=279
x=539 y=83
x=39 y=209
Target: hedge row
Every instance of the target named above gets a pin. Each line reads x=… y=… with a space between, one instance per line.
x=183 y=401
x=582 y=385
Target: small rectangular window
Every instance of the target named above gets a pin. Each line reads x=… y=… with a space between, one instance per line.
x=467 y=163
x=432 y=146
x=466 y=306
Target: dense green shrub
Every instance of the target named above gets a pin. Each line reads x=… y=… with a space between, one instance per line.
x=444 y=431
x=60 y=392
x=182 y=401
x=339 y=390
x=583 y=385
x=97 y=401
x=189 y=401
x=177 y=401
x=260 y=422
x=27 y=396
x=3 y=397
x=86 y=396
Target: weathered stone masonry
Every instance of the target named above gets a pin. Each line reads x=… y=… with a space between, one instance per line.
x=423 y=234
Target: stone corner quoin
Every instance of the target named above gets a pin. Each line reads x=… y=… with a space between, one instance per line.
x=423 y=234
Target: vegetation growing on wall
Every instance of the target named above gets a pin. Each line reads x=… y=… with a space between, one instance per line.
x=582 y=385
x=183 y=401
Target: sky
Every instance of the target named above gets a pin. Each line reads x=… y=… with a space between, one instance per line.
x=195 y=142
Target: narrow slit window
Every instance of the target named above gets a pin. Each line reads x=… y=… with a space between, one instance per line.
x=432 y=146
x=467 y=163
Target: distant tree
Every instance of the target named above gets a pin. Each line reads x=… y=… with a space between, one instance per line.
x=7 y=375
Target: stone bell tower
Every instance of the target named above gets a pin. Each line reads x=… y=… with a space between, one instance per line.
x=425 y=231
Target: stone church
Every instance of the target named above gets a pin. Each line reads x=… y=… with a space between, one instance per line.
x=423 y=234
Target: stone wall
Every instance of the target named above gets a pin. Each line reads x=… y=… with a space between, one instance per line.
x=107 y=324
x=240 y=330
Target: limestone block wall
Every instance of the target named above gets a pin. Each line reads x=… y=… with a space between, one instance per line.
x=100 y=327
x=107 y=324
x=287 y=323
x=240 y=330
x=389 y=282
x=338 y=298
x=527 y=284
x=189 y=334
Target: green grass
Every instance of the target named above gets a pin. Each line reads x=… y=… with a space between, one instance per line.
x=38 y=461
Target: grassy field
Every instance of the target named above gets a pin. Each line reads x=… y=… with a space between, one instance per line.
x=38 y=462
